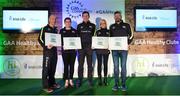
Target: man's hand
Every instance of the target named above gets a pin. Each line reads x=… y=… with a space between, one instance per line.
x=49 y=46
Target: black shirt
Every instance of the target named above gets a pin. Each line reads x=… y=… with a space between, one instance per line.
x=41 y=38
x=102 y=33
x=86 y=31
x=67 y=33
x=121 y=29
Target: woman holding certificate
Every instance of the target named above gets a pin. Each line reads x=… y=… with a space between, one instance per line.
x=69 y=55
x=102 y=54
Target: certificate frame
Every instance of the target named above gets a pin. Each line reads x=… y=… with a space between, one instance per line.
x=118 y=43
x=71 y=43
x=53 y=39
x=100 y=42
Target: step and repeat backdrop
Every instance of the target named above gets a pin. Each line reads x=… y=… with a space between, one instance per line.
x=155 y=50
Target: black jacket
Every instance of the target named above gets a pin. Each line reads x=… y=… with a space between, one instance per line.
x=121 y=29
x=86 y=31
x=102 y=33
x=41 y=38
x=67 y=33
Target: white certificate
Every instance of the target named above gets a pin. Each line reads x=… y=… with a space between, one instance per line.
x=100 y=42
x=54 y=39
x=71 y=43
x=118 y=43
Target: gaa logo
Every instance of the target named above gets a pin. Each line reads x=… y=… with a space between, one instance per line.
x=11 y=67
x=74 y=9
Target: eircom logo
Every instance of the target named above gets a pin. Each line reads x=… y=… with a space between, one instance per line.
x=12 y=67
x=74 y=9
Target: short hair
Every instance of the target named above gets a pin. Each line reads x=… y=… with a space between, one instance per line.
x=85 y=12
x=51 y=15
x=117 y=12
x=67 y=18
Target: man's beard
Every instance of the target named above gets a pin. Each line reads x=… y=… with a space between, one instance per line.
x=118 y=20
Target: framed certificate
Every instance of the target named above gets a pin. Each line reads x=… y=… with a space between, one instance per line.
x=71 y=43
x=54 y=39
x=100 y=42
x=118 y=43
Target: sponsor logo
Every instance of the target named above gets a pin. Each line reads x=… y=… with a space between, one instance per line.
x=139 y=65
x=26 y=66
x=149 y=17
x=17 y=18
x=74 y=9
x=12 y=67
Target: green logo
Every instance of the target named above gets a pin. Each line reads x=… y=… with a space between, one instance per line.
x=53 y=38
x=118 y=43
x=100 y=43
x=72 y=44
x=140 y=64
x=12 y=67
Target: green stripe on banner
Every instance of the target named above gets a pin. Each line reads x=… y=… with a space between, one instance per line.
x=2 y=38
x=1 y=64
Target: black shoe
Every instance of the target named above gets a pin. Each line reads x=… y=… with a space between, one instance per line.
x=90 y=83
x=123 y=88
x=100 y=81
x=105 y=81
x=78 y=83
x=115 y=88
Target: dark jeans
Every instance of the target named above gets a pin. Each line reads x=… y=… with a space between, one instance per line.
x=85 y=52
x=104 y=58
x=69 y=60
x=116 y=56
x=49 y=68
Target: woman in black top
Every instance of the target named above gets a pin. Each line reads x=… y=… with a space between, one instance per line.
x=68 y=56
x=102 y=54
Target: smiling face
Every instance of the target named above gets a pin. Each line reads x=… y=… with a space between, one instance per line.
x=67 y=23
x=85 y=17
x=52 y=20
x=117 y=17
x=103 y=24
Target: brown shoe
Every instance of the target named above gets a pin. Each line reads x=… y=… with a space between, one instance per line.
x=48 y=90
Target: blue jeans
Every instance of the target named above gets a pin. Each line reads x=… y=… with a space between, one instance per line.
x=120 y=54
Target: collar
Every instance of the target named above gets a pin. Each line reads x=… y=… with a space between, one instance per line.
x=50 y=26
x=86 y=22
x=121 y=22
x=66 y=29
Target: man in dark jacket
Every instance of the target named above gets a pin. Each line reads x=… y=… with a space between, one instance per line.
x=49 y=57
x=85 y=30
x=120 y=29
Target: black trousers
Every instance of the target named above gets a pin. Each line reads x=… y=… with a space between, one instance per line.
x=49 y=68
x=85 y=52
x=104 y=58
x=69 y=60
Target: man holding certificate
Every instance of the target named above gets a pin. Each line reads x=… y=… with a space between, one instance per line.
x=68 y=55
x=49 y=56
x=120 y=33
x=85 y=30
